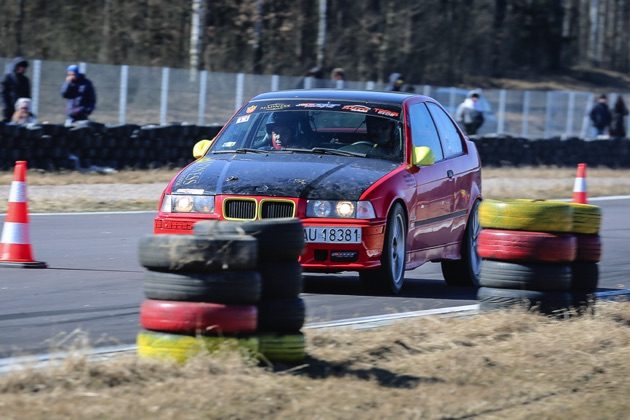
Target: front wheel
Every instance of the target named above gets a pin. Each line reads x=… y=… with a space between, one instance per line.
x=390 y=276
x=465 y=271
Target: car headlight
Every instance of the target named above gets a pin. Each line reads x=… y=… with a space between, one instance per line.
x=184 y=203
x=340 y=209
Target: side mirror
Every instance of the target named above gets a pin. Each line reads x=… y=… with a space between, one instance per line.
x=422 y=156
x=201 y=147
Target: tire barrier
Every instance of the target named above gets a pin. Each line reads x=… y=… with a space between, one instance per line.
x=501 y=150
x=210 y=290
x=281 y=312
x=54 y=147
x=538 y=253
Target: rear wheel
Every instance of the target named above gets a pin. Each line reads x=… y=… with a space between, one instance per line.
x=390 y=276
x=465 y=272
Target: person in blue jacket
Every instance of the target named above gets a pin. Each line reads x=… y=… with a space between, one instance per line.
x=80 y=95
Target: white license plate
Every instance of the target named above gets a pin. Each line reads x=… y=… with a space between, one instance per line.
x=332 y=235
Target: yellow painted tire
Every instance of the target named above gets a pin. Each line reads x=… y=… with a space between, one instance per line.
x=289 y=348
x=587 y=218
x=180 y=348
x=530 y=215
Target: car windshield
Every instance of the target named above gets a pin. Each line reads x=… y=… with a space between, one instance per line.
x=360 y=130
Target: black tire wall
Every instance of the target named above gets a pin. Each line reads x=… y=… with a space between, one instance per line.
x=48 y=147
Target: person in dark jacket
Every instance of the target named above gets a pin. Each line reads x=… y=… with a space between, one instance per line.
x=601 y=116
x=396 y=82
x=14 y=86
x=619 y=114
x=80 y=95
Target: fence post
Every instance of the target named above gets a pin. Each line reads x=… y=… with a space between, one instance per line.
x=164 y=96
x=240 y=81
x=548 y=115
x=122 y=101
x=369 y=85
x=501 y=121
x=426 y=91
x=275 y=82
x=203 y=86
x=82 y=67
x=570 y=105
x=37 y=80
x=451 y=101
x=525 y=126
x=308 y=82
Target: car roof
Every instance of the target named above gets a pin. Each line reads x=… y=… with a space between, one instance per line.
x=368 y=96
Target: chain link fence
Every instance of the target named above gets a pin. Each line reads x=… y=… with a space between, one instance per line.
x=153 y=95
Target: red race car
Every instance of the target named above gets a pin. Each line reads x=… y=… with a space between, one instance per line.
x=382 y=182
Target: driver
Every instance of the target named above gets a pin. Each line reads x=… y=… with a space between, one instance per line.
x=281 y=129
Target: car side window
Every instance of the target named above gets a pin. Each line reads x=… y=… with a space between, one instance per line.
x=451 y=141
x=423 y=132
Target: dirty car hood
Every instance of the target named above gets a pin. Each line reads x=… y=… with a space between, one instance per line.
x=283 y=174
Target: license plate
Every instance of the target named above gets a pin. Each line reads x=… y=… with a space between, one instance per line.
x=332 y=235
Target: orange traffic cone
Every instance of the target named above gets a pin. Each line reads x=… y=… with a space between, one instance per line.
x=15 y=245
x=579 y=187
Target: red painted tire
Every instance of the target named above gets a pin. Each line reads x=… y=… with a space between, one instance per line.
x=589 y=248
x=518 y=245
x=197 y=317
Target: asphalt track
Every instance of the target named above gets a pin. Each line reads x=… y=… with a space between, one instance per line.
x=94 y=282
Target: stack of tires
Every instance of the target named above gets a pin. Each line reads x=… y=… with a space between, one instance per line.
x=539 y=253
x=585 y=270
x=201 y=295
x=281 y=312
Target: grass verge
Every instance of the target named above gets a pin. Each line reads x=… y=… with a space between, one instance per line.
x=499 y=365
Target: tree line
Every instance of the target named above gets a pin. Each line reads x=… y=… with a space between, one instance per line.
x=429 y=41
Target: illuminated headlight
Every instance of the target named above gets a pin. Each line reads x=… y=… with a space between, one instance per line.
x=340 y=209
x=179 y=203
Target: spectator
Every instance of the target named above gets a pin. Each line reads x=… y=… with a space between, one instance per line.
x=619 y=114
x=601 y=116
x=23 y=114
x=469 y=114
x=314 y=78
x=80 y=95
x=338 y=78
x=396 y=82
x=14 y=86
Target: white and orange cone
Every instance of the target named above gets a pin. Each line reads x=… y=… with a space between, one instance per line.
x=579 y=187
x=15 y=245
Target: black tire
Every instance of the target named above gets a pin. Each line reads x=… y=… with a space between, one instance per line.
x=584 y=276
x=389 y=278
x=201 y=254
x=525 y=276
x=545 y=302
x=241 y=287
x=278 y=239
x=465 y=272
x=281 y=280
x=281 y=315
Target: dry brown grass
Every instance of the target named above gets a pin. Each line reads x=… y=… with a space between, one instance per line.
x=503 y=365
x=140 y=190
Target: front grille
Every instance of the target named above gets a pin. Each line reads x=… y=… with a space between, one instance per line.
x=276 y=209
x=240 y=209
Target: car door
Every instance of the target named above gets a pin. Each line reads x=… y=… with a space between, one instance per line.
x=457 y=169
x=430 y=220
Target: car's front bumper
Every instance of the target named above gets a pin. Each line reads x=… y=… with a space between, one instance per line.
x=317 y=257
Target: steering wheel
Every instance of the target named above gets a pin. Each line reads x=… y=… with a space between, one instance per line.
x=362 y=142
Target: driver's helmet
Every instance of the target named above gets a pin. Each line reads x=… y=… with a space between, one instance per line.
x=379 y=129
x=283 y=118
